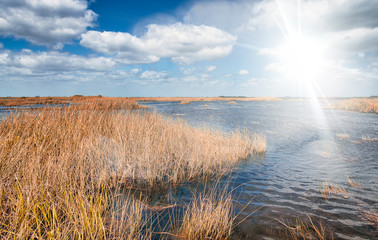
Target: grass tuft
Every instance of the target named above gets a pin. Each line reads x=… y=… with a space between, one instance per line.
x=305 y=230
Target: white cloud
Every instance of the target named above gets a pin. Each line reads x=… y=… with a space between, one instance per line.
x=153 y=75
x=31 y=62
x=49 y=23
x=243 y=72
x=135 y=71
x=183 y=43
x=210 y=68
x=187 y=71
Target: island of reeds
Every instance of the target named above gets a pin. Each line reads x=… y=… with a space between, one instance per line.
x=366 y=105
x=79 y=171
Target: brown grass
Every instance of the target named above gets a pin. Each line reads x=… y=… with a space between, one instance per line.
x=353 y=183
x=209 y=216
x=185 y=102
x=80 y=102
x=367 y=105
x=305 y=230
x=368 y=139
x=328 y=189
x=372 y=218
x=60 y=169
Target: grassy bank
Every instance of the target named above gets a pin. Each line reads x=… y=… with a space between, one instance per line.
x=61 y=170
x=367 y=105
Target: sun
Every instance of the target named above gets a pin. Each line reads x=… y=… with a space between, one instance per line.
x=302 y=58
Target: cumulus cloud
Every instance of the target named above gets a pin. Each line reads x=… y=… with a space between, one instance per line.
x=30 y=62
x=153 y=75
x=49 y=23
x=243 y=72
x=183 y=43
x=187 y=71
x=210 y=68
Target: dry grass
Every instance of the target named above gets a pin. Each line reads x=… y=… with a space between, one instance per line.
x=328 y=189
x=372 y=218
x=353 y=183
x=305 y=230
x=60 y=169
x=185 y=102
x=368 y=139
x=367 y=105
x=343 y=135
x=80 y=102
x=209 y=216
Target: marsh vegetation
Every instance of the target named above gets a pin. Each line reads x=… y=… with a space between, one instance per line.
x=75 y=173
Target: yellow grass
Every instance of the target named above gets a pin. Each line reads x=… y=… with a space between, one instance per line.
x=353 y=183
x=328 y=189
x=368 y=139
x=209 y=216
x=367 y=105
x=60 y=169
x=372 y=218
x=305 y=230
x=80 y=102
x=185 y=102
x=343 y=135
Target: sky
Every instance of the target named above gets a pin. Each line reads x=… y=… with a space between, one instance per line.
x=189 y=48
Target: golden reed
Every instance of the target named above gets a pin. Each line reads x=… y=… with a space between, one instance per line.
x=61 y=170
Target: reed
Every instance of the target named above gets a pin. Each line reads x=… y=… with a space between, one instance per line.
x=353 y=183
x=305 y=230
x=80 y=102
x=366 y=105
x=328 y=189
x=372 y=218
x=209 y=216
x=368 y=139
x=60 y=169
x=185 y=102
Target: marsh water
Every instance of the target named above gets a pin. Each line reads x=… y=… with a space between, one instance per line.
x=307 y=146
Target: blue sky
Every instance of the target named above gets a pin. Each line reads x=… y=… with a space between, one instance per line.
x=189 y=48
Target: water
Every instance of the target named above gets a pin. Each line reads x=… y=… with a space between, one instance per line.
x=306 y=146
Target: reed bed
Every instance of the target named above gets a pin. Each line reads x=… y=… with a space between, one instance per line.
x=209 y=216
x=328 y=189
x=60 y=170
x=366 y=105
x=372 y=218
x=80 y=102
x=305 y=230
